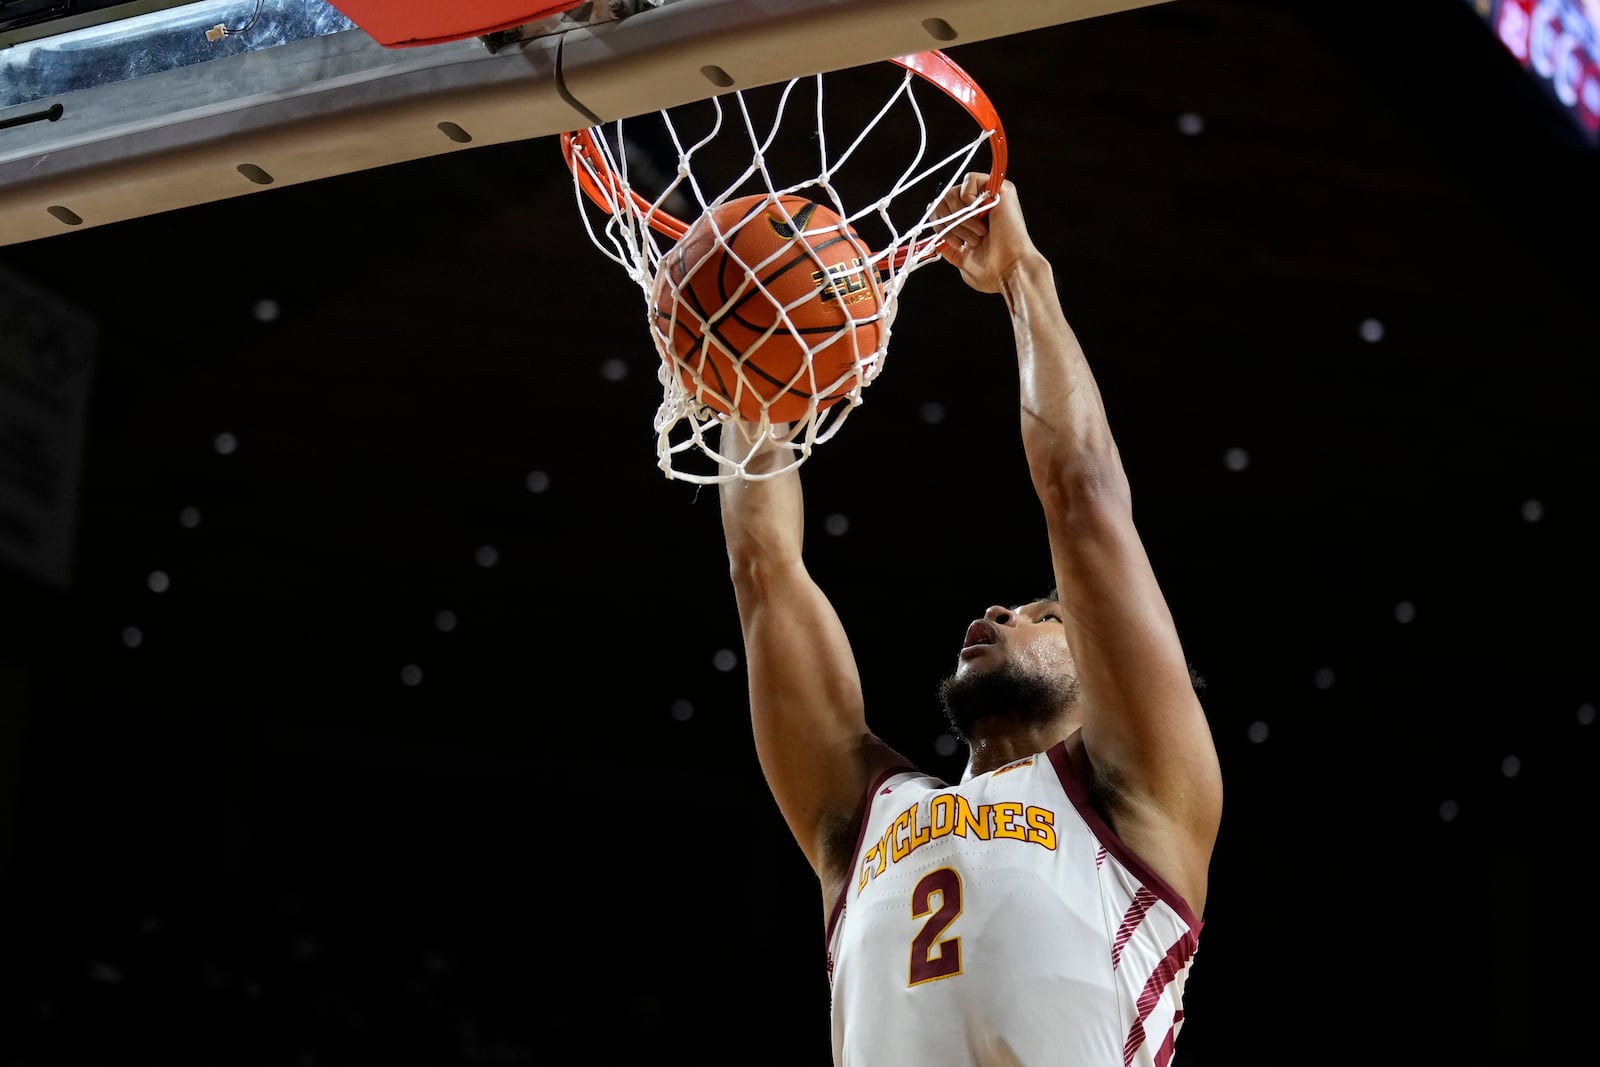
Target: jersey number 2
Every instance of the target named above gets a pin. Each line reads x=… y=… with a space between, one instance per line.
x=930 y=957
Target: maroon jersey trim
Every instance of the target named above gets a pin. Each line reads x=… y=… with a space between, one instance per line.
x=864 y=809
x=1176 y=959
x=1078 y=793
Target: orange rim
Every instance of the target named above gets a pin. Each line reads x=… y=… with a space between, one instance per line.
x=578 y=146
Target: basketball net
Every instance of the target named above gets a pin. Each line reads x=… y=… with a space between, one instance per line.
x=884 y=172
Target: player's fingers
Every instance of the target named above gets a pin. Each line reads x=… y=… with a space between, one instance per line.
x=965 y=233
x=973 y=186
x=950 y=203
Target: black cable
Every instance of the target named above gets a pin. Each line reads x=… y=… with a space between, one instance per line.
x=254 y=15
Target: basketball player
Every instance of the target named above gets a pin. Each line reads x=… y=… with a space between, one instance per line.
x=1045 y=909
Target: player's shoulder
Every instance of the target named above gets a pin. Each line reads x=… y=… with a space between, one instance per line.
x=900 y=780
x=890 y=775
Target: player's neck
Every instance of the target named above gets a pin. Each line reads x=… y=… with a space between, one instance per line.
x=989 y=751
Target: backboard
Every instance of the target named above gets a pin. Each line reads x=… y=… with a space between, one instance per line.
x=184 y=105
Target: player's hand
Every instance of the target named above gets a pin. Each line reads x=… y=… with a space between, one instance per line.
x=984 y=247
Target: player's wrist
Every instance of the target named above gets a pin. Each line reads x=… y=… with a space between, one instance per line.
x=1030 y=267
x=1027 y=273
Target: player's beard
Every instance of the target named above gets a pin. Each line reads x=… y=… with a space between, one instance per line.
x=1007 y=694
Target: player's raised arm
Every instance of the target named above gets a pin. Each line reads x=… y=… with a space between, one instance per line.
x=806 y=708
x=1143 y=727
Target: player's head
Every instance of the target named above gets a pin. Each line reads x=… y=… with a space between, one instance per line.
x=1014 y=669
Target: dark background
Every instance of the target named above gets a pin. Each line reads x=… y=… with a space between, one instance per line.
x=237 y=833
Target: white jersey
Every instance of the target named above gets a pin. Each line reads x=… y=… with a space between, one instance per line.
x=1001 y=922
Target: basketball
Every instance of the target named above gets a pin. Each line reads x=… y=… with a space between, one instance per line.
x=768 y=301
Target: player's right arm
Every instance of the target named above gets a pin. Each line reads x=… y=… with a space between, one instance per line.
x=806 y=704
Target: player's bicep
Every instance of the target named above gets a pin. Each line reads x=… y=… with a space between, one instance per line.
x=1141 y=712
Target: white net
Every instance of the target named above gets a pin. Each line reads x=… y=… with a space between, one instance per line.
x=787 y=334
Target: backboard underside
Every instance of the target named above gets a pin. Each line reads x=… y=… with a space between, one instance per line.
x=338 y=102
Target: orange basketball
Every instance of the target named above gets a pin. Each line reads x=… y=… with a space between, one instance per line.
x=775 y=303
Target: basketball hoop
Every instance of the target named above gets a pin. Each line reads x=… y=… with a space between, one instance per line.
x=897 y=159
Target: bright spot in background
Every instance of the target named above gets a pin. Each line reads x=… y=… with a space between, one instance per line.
x=411 y=674
x=946 y=744
x=487 y=556
x=1585 y=714
x=1405 y=611
x=682 y=710
x=158 y=581
x=1371 y=331
x=932 y=413
x=1323 y=679
x=836 y=525
x=1256 y=732
x=445 y=621
x=537 y=481
x=104 y=972
x=1448 y=810
x=1190 y=124
x=132 y=636
x=225 y=443
x=725 y=660
x=614 y=369
x=1510 y=766
x=189 y=518
x=1532 y=511
x=266 y=310
x=1236 y=459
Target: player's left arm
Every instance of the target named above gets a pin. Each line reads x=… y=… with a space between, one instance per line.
x=1144 y=729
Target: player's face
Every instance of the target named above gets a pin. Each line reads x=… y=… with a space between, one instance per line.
x=1015 y=663
x=1032 y=635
